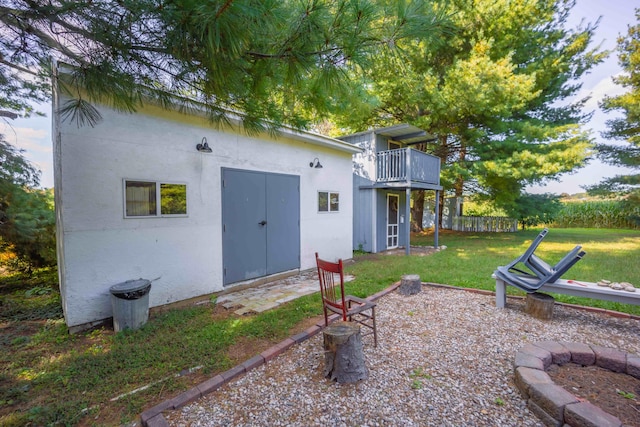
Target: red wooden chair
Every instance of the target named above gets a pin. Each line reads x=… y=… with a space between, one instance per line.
x=353 y=309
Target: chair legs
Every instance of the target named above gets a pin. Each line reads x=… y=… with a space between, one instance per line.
x=375 y=331
x=334 y=298
x=366 y=320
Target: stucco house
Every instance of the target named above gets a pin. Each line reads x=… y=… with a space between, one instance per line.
x=384 y=174
x=166 y=196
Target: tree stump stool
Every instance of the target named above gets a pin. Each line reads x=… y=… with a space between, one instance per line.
x=539 y=305
x=410 y=284
x=343 y=353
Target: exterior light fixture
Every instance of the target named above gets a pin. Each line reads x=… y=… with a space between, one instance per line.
x=203 y=147
x=315 y=164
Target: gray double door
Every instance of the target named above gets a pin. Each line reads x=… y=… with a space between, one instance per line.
x=260 y=224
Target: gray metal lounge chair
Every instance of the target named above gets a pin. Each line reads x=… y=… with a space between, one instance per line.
x=540 y=271
x=530 y=283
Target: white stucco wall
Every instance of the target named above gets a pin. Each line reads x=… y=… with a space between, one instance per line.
x=100 y=248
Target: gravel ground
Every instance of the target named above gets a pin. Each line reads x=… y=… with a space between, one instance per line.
x=444 y=358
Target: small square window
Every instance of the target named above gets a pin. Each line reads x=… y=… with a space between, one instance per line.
x=152 y=199
x=328 y=201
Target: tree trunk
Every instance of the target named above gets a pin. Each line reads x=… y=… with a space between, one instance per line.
x=459 y=184
x=443 y=153
x=417 y=212
x=441 y=202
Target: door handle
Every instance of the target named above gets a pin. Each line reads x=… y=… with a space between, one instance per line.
x=263 y=222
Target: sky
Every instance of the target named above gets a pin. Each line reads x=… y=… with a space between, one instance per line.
x=34 y=134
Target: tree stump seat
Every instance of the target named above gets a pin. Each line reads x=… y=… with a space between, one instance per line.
x=539 y=305
x=410 y=284
x=343 y=353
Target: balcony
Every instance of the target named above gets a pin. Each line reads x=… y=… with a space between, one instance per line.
x=406 y=166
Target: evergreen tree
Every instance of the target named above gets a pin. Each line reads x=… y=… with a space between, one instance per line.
x=27 y=219
x=627 y=127
x=533 y=209
x=495 y=95
x=273 y=60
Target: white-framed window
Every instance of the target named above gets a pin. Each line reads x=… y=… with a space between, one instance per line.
x=144 y=198
x=328 y=201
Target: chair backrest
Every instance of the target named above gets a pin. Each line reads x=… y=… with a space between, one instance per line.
x=331 y=277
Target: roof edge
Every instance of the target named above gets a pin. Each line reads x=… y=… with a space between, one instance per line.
x=236 y=118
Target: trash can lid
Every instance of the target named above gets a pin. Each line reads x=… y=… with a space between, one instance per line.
x=129 y=286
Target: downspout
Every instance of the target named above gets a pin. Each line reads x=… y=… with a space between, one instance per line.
x=374 y=221
x=407 y=221
x=407 y=208
x=437 y=221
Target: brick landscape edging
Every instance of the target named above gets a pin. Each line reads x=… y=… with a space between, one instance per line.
x=552 y=403
x=518 y=297
x=154 y=417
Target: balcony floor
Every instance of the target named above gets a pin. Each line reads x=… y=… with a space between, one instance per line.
x=401 y=185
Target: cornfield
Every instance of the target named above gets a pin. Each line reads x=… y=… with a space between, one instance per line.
x=597 y=214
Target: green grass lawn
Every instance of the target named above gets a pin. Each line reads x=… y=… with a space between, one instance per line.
x=50 y=377
x=471 y=258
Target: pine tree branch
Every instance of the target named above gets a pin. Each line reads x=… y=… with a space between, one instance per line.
x=7 y=16
x=17 y=67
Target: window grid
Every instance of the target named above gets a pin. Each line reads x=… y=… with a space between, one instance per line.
x=328 y=201
x=153 y=199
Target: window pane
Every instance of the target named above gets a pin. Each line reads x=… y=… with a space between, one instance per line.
x=173 y=199
x=323 y=201
x=334 y=202
x=392 y=210
x=141 y=198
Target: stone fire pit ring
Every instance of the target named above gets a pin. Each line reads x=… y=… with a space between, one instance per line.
x=553 y=404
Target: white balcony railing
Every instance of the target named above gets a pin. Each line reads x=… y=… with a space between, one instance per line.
x=406 y=164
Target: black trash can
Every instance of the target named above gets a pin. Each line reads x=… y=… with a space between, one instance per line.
x=130 y=302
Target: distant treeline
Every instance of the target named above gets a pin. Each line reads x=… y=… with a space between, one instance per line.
x=598 y=214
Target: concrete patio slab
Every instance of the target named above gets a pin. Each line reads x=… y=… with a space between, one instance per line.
x=270 y=295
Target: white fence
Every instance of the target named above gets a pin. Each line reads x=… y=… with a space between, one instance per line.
x=499 y=224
